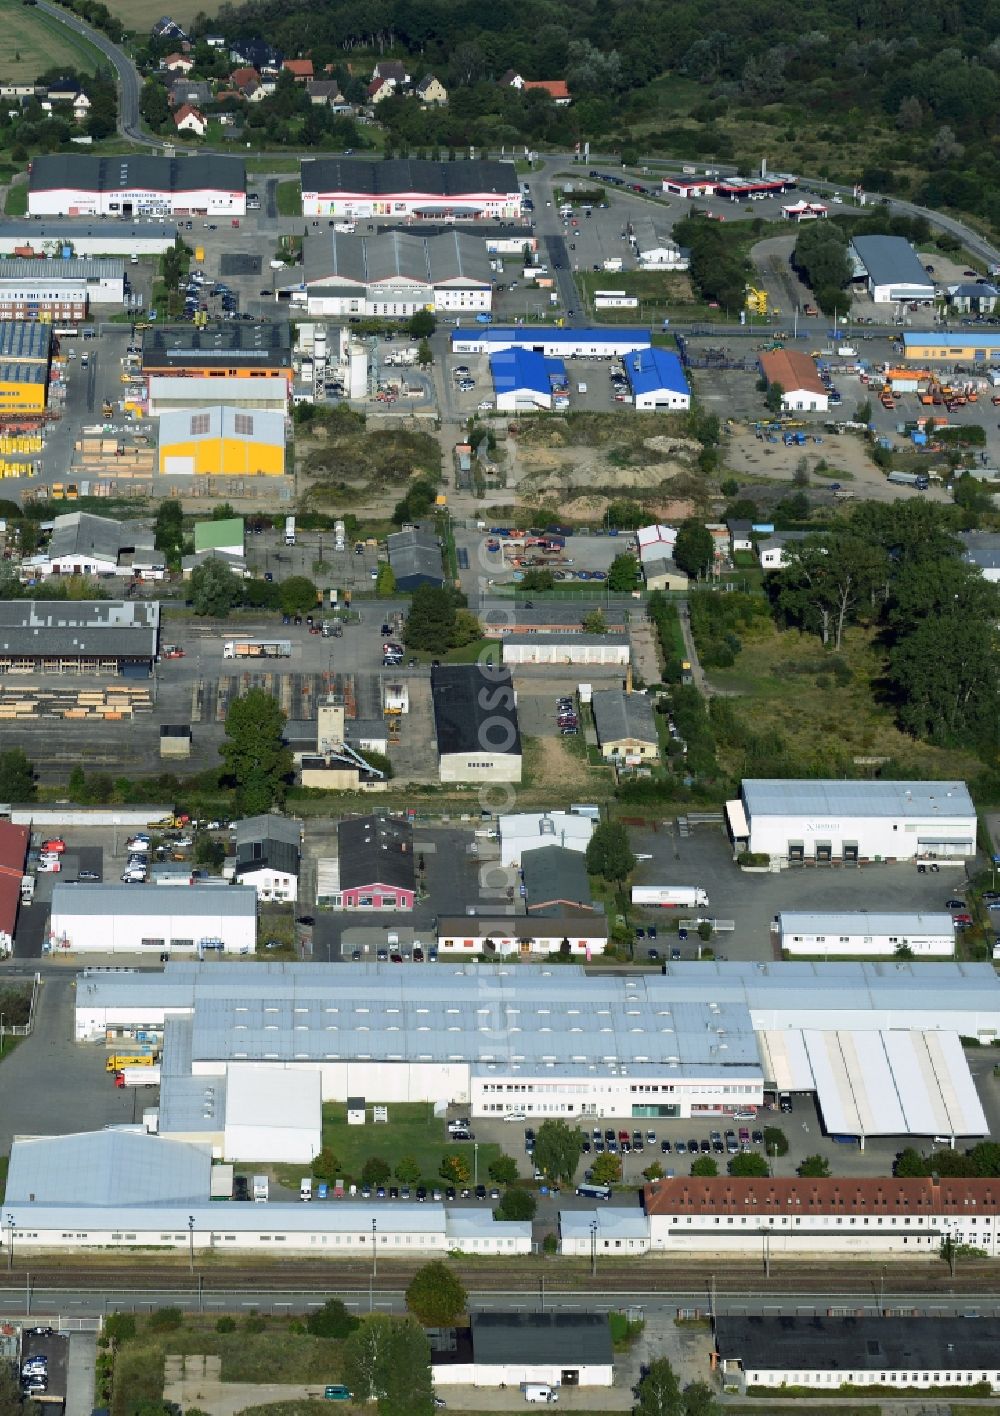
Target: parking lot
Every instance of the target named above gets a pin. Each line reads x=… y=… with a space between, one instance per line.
x=585 y=560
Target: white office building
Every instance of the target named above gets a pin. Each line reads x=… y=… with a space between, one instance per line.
x=860 y=933
x=133 y=919
x=847 y=821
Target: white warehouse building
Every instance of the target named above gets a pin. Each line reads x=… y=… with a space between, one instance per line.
x=128 y=919
x=793 y=821
x=857 y=933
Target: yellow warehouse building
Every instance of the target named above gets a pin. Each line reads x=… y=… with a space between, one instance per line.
x=25 y=351
x=222 y=442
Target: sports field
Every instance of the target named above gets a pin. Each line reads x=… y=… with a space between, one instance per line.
x=34 y=42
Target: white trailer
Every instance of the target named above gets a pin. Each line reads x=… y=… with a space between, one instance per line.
x=139 y=1076
x=289 y=530
x=669 y=897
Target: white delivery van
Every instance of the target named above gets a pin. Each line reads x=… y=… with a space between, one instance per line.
x=536 y=1392
x=306 y=1188
x=260 y=1189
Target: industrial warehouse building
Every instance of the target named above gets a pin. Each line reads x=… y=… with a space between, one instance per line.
x=221 y=441
x=79 y=636
x=825 y=1353
x=802 y=389
x=961 y=346
x=524 y=379
x=60 y=291
x=83 y=544
x=731 y=1215
x=229 y=351
x=514 y=1349
x=554 y=343
x=25 y=353
x=393 y=274
x=582 y=933
x=13 y=864
x=78 y=184
x=878 y=1044
x=626 y=729
x=122 y=1189
x=857 y=933
x=55 y=237
x=824 y=821
x=657 y=379
x=167 y=394
x=475 y=723
x=127 y=919
x=415 y=558
x=891 y=269
x=523 y=649
x=403 y=188
x=525 y=832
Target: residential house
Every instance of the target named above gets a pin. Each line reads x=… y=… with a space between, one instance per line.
x=324 y=93
x=740 y=535
x=81 y=107
x=268 y=855
x=167 y=28
x=555 y=879
x=193 y=91
x=973 y=299
x=256 y=54
x=375 y=864
x=432 y=92
x=188 y=119
x=982 y=549
x=301 y=70
x=393 y=71
x=215 y=41
x=556 y=89
x=626 y=729
x=510 y=79
x=178 y=63
x=245 y=81
x=772 y=548
x=379 y=89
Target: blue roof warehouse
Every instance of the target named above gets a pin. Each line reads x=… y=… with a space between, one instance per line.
x=524 y=379
x=657 y=379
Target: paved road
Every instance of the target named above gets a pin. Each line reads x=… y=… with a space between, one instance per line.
x=127 y=74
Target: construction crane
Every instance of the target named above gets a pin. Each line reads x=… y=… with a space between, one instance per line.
x=756 y=301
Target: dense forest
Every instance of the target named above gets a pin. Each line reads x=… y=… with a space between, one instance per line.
x=923 y=80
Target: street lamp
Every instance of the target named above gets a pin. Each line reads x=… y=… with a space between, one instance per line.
x=11 y=1226
x=191 y=1240
x=475 y=1162
x=593 y=1248
x=374 y=1248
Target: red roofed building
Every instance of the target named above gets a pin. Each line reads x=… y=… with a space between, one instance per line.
x=556 y=89
x=802 y=389
x=301 y=70
x=729 y=1214
x=13 y=853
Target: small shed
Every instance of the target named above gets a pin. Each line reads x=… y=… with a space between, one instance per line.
x=175 y=740
x=355 y=1111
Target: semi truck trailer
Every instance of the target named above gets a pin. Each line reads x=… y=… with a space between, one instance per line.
x=669 y=896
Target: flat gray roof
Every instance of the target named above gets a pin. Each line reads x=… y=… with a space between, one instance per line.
x=891 y=260
x=142 y=901
x=865 y=922
x=111 y=1167
x=564 y=1339
x=125 y=628
x=65 y=268
x=775 y=797
x=876 y=1344
x=619 y=715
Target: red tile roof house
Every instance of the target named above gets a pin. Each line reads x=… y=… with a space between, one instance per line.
x=301 y=70
x=375 y=859
x=243 y=79
x=13 y=853
x=556 y=89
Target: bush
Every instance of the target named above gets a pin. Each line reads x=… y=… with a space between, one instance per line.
x=517 y=1204
x=225 y=1324
x=550 y=1244
x=119 y=1327
x=332 y=1320
x=166 y=1319
x=254 y=1323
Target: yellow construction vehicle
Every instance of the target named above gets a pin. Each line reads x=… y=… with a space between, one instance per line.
x=756 y=301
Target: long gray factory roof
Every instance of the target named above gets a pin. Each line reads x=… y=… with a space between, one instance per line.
x=238 y=901
x=80 y=533
x=776 y=797
x=359 y=176
x=110 y=1167
x=333 y=256
x=842 y=1345
x=86 y=627
x=77 y=171
x=64 y=268
x=891 y=260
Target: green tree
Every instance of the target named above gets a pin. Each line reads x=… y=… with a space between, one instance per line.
x=385 y=584
x=257 y=760
x=11 y=1399
x=467 y=629
x=435 y=1296
x=609 y=853
x=595 y=623
x=814 y=1167
x=699 y=1400
x=120 y=1327
x=298 y=595
x=557 y=1150
x=376 y=1170
x=407 y=1170
x=775 y=1141
x=153 y=104
x=704 y=1165
x=503 y=1170
x=535 y=579
x=214 y=589
x=773 y=398
x=17 y=776
x=607 y=1169
x=455 y=1168
x=625 y=514
x=748 y=1163
x=825 y=582
x=658 y=1392
x=168 y=531
x=623 y=573
x=517 y=1203
x=332 y=1320
x=694 y=551
x=387 y=1360
x=208 y=850
x=909 y=1164
x=425 y=355
x=431 y=621
x=421 y=324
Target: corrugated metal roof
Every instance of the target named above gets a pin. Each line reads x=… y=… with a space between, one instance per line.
x=775 y=797
x=865 y=922
x=113 y=1167
x=891 y=260
x=651 y=369
x=99 y=900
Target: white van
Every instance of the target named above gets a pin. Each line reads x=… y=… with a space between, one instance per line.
x=306 y=1188
x=538 y=1393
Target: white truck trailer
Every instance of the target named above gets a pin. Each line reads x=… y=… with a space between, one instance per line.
x=669 y=897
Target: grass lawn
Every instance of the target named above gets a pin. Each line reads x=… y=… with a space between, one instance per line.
x=140 y=15
x=288 y=196
x=275 y=1354
x=17 y=200
x=465 y=654
x=36 y=42
x=411 y=1131
x=784 y=682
